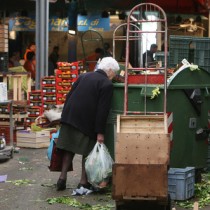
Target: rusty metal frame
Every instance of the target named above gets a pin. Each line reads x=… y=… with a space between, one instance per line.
x=162 y=18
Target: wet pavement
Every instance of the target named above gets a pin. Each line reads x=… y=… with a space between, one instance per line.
x=31 y=166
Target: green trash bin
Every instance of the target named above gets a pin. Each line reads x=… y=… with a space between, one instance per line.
x=188 y=103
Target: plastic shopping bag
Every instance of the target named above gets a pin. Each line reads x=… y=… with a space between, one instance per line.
x=55 y=155
x=50 y=148
x=98 y=166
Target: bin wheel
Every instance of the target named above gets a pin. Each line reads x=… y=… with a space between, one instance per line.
x=119 y=205
x=168 y=206
x=12 y=154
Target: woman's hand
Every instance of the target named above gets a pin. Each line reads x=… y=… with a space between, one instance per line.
x=100 y=138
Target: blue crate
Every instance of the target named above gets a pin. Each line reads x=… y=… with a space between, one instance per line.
x=181 y=183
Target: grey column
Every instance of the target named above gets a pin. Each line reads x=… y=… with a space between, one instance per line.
x=42 y=32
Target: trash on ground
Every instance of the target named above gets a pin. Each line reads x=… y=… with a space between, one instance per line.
x=82 y=191
x=3 y=178
x=74 y=203
x=22 y=182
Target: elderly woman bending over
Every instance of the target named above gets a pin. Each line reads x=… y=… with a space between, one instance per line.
x=84 y=116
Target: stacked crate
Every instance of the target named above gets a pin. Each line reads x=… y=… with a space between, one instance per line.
x=19 y=116
x=179 y=49
x=81 y=69
x=48 y=89
x=33 y=113
x=194 y=49
x=5 y=123
x=66 y=75
x=20 y=110
x=4 y=37
x=53 y=89
x=4 y=109
x=35 y=103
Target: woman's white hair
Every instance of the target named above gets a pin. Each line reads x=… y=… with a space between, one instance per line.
x=108 y=63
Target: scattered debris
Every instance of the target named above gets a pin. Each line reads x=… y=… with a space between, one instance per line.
x=74 y=203
x=22 y=182
x=16 y=149
x=48 y=185
x=23 y=160
x=202 y=194
x=25 y=169
x=3 y=178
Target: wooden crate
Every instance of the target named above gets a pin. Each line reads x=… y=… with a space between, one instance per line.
x=142 y=140
x=141 y=158
x=142 y=124
x=139 y=182
x=137 y=148
x=29 y=139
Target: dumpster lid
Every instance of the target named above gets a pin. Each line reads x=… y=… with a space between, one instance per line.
x=188 y=76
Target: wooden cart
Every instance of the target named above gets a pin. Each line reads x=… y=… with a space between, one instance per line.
x=140 y=172
x=141 y=160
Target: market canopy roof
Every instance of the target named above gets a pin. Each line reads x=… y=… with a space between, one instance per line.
x=169 y=6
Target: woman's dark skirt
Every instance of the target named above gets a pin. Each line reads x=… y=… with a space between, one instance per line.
x=73 y=140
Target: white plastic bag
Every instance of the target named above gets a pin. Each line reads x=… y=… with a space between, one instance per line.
x=52 y=115
x=98 y=166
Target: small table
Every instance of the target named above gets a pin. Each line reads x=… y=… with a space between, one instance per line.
x=17 y=82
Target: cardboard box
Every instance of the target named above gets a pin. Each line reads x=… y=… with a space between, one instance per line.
x=3 y=91
x=30 y=139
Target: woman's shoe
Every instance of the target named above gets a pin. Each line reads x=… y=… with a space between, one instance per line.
x=61 y=184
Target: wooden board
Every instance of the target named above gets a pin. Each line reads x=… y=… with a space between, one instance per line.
x=32 y=144
x=141 y=124
x=135 y=148
x=31 y=134
x=139 y=182
x=29 y=139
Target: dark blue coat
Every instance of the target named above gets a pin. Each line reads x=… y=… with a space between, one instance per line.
x=88 y=103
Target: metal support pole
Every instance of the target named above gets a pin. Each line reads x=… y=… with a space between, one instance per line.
x=11 y=124
x=42 y=31
x=209 y=25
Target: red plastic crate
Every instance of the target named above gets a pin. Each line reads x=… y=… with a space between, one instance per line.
x=68 y=66
x=49 y=96
x=34 y=111
x=35 y=103
x=6 y=130
x=62 y=90
x=34 y=94
x=4 y=109
x=48 y=81
x=66 y=83
x=48 y=104
x=50 y=89
x=148 y=79
x=60 y=73
x=60 y=98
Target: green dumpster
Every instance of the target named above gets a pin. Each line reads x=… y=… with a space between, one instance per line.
x=188 y=104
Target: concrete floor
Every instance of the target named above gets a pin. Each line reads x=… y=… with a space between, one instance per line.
x=32 y=164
